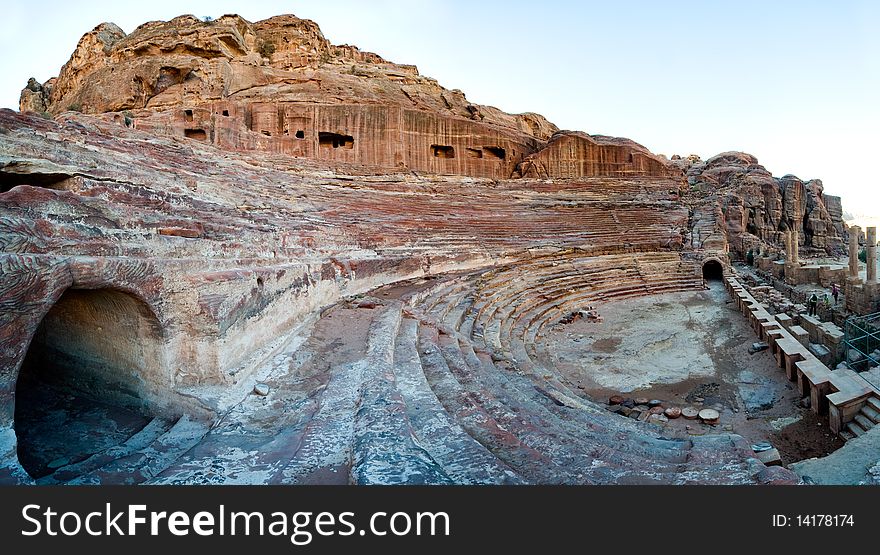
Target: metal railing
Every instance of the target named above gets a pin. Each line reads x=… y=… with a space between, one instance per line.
x=862 y=342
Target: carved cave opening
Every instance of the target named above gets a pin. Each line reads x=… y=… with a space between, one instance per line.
x=188 y=115
x=300 y=134
x=226 y=113
x=335 y=140
x=197 y=134
x=442 y=151
x=46 y=180
x=751 y=227
x=474 y=153
x=86 y=380
x=712 y=270
x=494 y=152
x=168 y=77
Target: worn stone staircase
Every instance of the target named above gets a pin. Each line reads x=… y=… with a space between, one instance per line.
x=864 y=420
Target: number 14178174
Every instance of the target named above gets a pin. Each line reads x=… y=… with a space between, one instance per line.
x=824 y=520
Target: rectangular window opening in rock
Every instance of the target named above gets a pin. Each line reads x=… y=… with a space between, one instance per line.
x=188 y=115
x=474 y=153
x=226 y=113
x=300 y=134
x=442 y=151
x=335 y=140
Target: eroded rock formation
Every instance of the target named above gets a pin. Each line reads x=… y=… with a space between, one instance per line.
x=751 y=208
x=573 y=154
x=230 y=193
x=231 y=254
x=279 y=86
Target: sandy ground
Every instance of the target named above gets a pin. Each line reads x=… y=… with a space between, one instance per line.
x=689 y=349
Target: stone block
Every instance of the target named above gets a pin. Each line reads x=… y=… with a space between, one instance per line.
x=778 y=269
x=770 y=457
x=822 y=353
x=800 y=334
x=784 y=320
x=812 y=325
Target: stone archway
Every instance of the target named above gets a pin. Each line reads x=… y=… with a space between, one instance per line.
x=92 y=376
x=712 y=269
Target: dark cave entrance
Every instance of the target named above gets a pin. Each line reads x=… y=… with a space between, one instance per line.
x=85 y=380
x=712 y=270
x=335 y=140
x=10 y=180
x=442 y=151
x=494 y=152
x=197 y=134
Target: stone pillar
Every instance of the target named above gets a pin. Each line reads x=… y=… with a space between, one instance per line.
x=794 y=247
x=854 y=232
x=788 y=246
x=872 y=255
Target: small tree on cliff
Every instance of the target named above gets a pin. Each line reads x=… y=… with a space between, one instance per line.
x=266 y=49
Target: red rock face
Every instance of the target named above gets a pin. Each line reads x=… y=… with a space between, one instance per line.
x=227 y=251
x=372 y=136
x=752 y=208
x=230 y=183
x=570 y=154
x=279 y=86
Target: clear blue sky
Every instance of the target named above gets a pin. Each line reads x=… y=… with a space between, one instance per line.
x=797 y=83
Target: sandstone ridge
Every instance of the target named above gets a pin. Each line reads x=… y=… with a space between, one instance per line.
x=278 y=85
x=736 y=200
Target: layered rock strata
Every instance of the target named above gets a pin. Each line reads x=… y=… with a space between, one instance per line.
x=231 y=191
x=736 y=198
x=279 y=86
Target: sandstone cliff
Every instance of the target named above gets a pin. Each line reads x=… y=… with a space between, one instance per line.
x=278 y=85
x=753 y=208
x=230 y=183
x=571 y=154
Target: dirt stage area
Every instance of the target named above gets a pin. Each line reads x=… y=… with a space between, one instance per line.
x=689 y=349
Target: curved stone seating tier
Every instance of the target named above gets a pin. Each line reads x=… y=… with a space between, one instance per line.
x=425 y=398
x=515 y=417
x=441 y=385
x=510 y=307
x=456 y=411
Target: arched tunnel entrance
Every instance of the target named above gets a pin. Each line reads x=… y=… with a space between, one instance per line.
x=712 y=270
x=86 y=380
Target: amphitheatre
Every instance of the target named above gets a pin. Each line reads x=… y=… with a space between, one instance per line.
x=234 y=253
